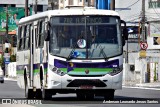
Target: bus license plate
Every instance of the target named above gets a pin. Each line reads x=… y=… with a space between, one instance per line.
x=86 y=87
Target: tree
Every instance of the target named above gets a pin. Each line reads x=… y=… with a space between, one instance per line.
x=13 y=58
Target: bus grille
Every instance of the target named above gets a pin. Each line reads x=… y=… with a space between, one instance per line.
x=86 y=82
x=86 y=75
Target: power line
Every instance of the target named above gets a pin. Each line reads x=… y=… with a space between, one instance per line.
x=132 y=4
x=155 y=10
x=155 y=27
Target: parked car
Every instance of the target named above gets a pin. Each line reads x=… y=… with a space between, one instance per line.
x=1 y=75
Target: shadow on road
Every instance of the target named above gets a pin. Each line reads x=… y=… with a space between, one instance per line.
x=96 y=100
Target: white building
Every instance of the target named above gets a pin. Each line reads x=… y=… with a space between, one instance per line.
x=60 y=4
x=131 y=12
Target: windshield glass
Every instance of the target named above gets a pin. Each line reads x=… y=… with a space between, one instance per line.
x=85 y=36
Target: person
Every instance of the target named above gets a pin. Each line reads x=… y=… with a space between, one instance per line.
x=15 y=18
x=28 y=13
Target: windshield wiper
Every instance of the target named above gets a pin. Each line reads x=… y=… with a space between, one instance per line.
x=72 y=52
x=103 y=53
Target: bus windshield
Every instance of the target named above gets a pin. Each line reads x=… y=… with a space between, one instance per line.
x=85 y=37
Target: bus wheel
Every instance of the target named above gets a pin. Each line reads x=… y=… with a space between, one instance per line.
x=46 y=95
x=29 y=94
x=109 y=95
x=38 y=94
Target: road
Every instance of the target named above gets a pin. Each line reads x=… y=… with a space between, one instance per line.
x=10 y=90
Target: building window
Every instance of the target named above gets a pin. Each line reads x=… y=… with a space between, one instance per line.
x=154 y=3
x=3 y=5
x=10 y=5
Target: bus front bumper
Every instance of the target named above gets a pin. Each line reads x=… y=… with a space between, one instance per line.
x=70 y=82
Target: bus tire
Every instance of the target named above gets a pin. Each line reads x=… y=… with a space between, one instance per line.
x=38 y=94
x=29 y=94
x=46 y=95
x=109 y=95
x=2 y=81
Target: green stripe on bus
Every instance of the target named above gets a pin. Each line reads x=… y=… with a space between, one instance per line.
x=90 y=69
x=36 y=71
x=99 y=70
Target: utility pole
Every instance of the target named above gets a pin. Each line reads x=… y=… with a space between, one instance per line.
x=144 y=73
x=6 y=22
x=112 y=5
x=26 y=8
x=143 y=21
x=5 y=38
x=35 y=7
x=89 y=3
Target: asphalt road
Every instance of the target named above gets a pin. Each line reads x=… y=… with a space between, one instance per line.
x=10 y=90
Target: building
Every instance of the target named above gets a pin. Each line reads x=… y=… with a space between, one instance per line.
x=146 y=68
x=16 y=10
x=42 y=5
x=60 y=4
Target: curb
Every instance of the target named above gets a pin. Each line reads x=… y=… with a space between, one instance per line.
x=147 y=86
x=10 y=79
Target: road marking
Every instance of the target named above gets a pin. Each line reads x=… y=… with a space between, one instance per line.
x=16 y=105
x=144 y=88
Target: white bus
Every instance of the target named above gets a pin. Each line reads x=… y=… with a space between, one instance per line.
x=74 y=50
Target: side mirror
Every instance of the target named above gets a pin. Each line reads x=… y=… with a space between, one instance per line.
x=125 y=33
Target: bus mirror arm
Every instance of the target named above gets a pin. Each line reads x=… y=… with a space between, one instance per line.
x=47 y=35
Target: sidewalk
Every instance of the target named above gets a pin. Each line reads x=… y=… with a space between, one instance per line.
x=145 y=85
x=10 y=79
x=149 y=85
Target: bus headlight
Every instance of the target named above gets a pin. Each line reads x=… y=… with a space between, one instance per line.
x=116 y=70
x=56 y=70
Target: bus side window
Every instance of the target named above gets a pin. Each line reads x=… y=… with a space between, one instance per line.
x=36 y=37
x=27 y=36
x=20 y=39
x=41 y=30
x=19 y=32
x=19 y=36
x=24 y=37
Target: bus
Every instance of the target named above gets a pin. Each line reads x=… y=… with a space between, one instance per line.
x=74 y=50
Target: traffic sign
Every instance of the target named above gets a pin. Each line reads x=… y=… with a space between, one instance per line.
x=142 y=54
x=143 y=45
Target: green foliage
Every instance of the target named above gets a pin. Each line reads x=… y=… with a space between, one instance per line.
x=2 y=61
x=13 y=58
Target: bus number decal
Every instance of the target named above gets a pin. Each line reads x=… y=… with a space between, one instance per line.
x=67 y=20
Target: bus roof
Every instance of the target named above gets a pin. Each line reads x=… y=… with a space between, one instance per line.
x=67 y=12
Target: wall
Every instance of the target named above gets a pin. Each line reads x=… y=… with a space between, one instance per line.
x=12 y=69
